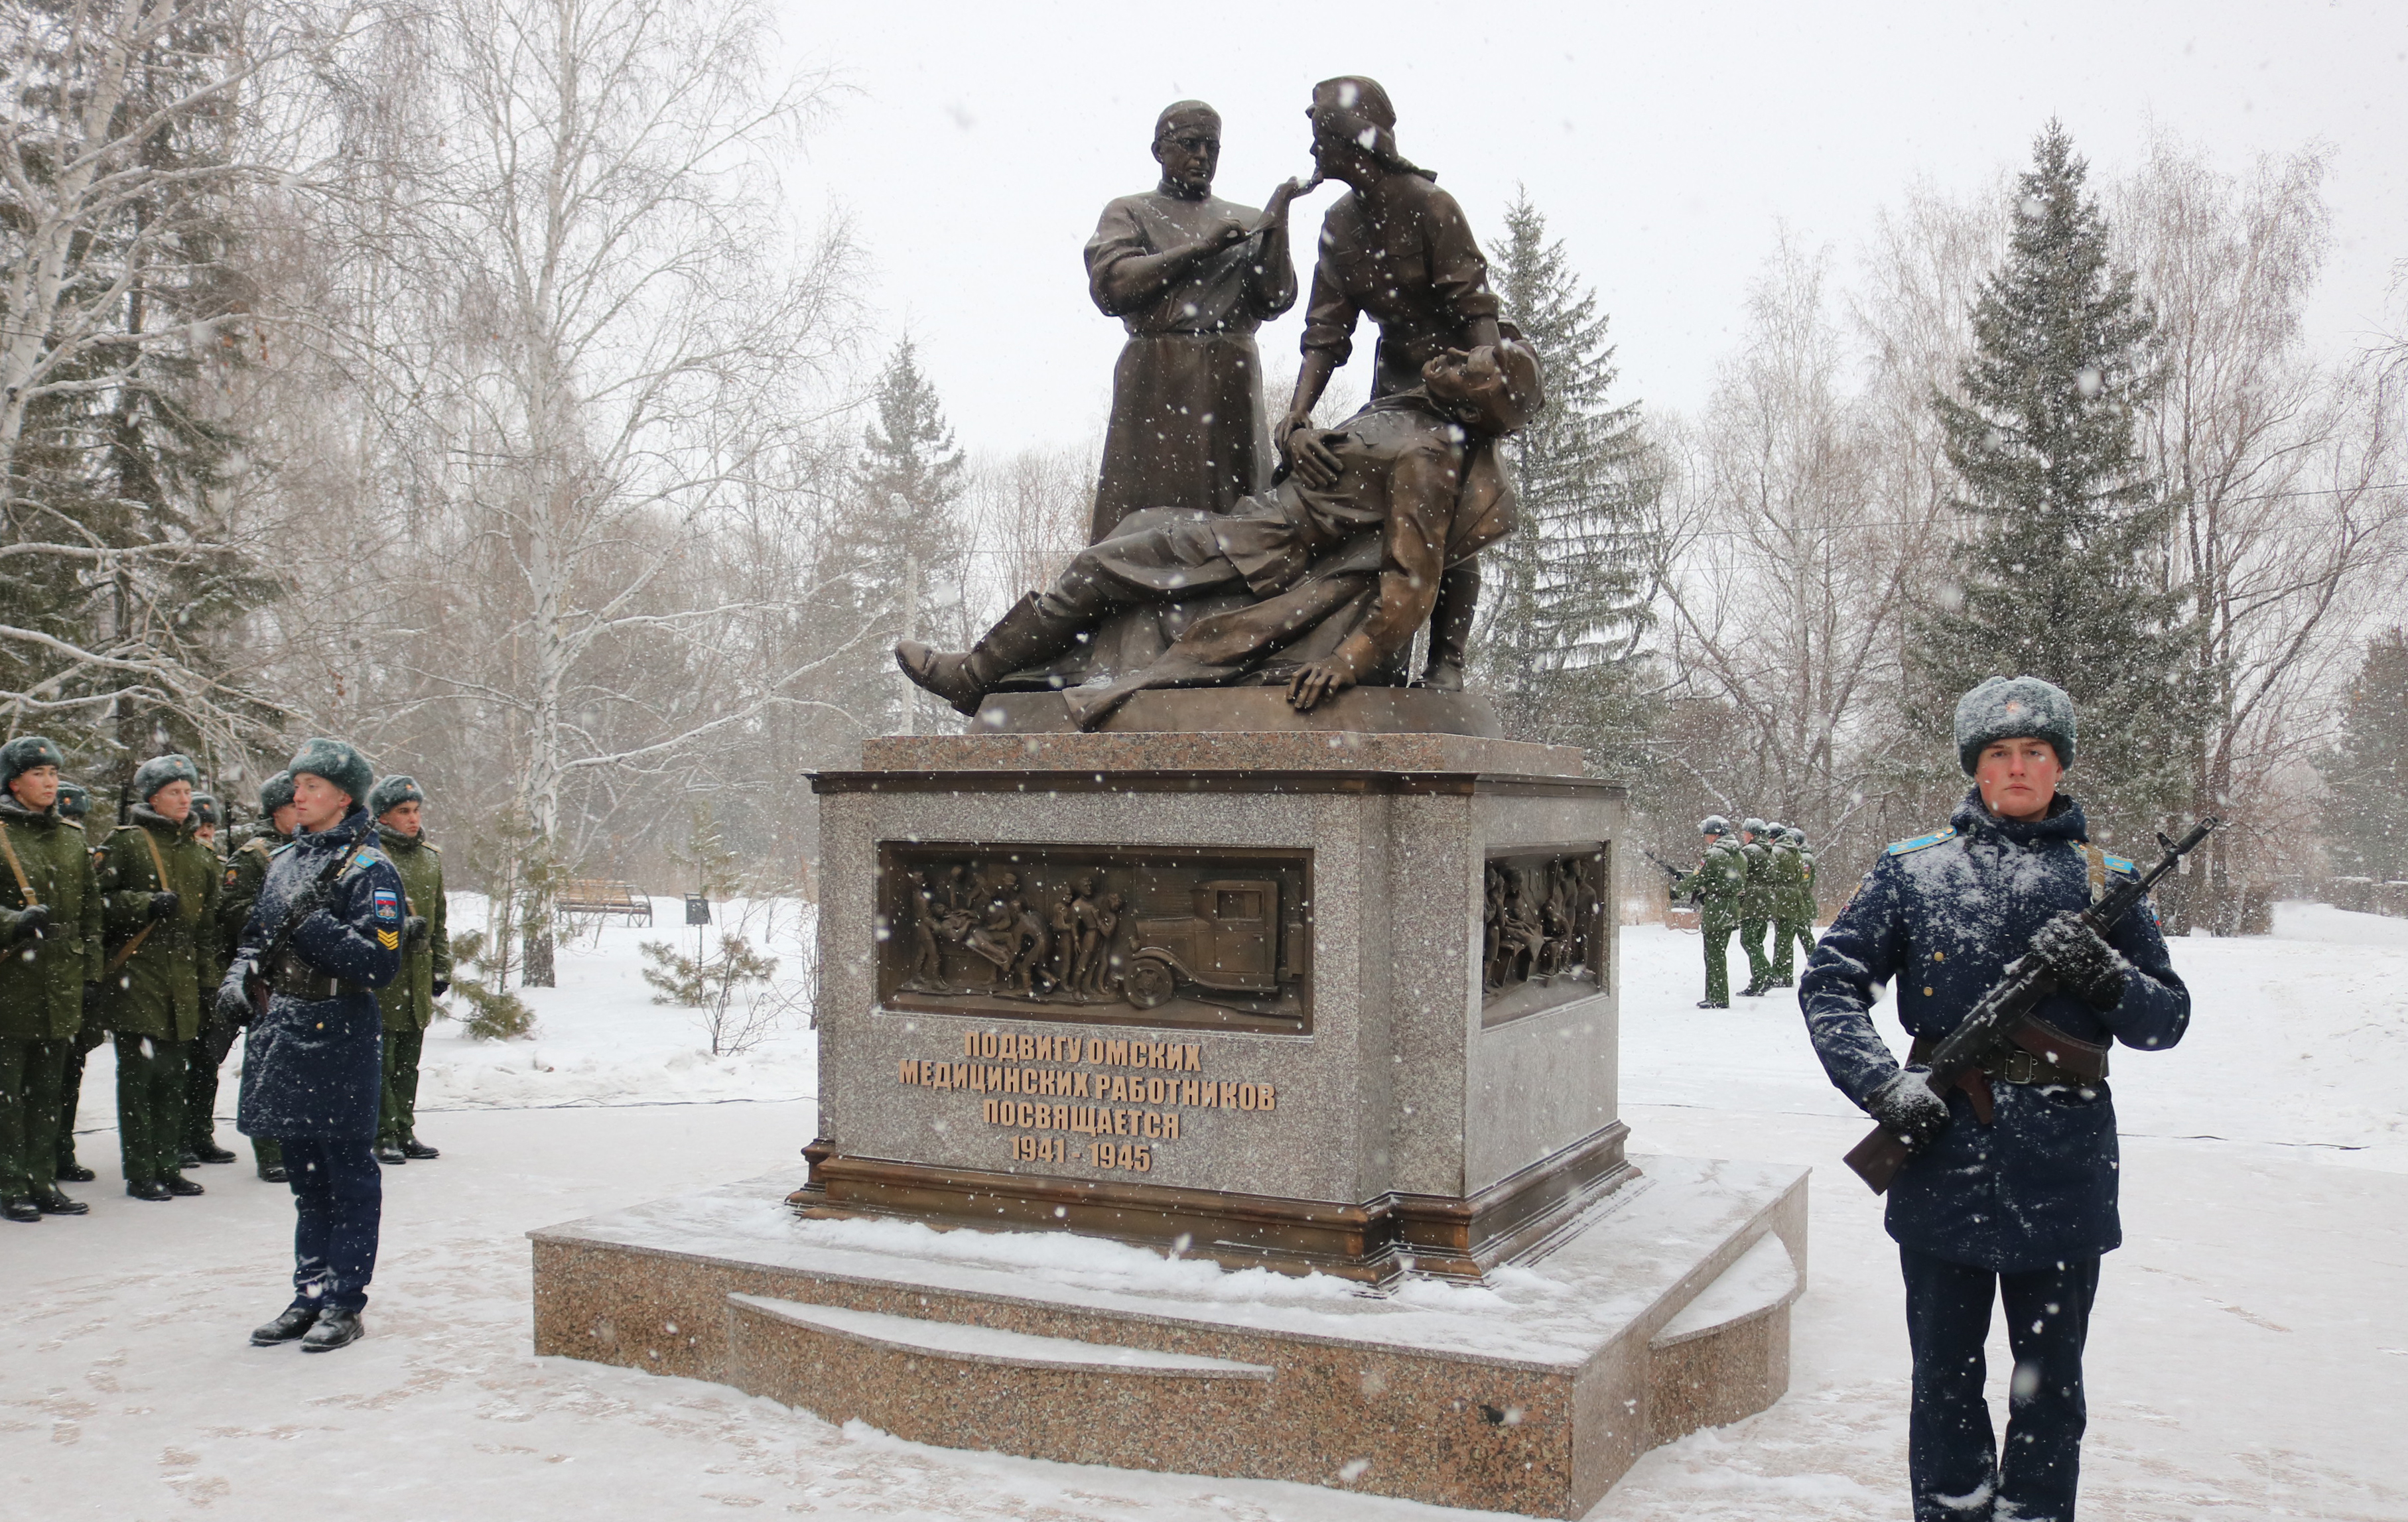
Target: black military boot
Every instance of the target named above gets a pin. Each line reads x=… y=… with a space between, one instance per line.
x=147 y=1188
x=179 y=1186
x=21 y=1208
x=412 y=1147
x=965 y=677
x=1713 y=1004
x=290 y=1323
x=334 y=1328
x=390 y=1153
x=187 y=1157
x=72 y=1172
x=51 y=1202
x=273 y=1172
x=208 y=1150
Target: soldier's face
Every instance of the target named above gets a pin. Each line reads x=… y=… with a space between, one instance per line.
x=317 y=803
x=173 y=802
x=35 y=787
x=285 y=819
x=2018 y=777
x=403 y=818
x=1190 y=154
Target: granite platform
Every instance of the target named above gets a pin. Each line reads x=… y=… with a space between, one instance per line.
x=1663 y=1308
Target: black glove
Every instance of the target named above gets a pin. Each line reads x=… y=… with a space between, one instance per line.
x=443 y=986
x=1905 y=1104
x=31 y=921
x=414 y=930
x=163 y=905
x=233 y=994
x=2081 y=960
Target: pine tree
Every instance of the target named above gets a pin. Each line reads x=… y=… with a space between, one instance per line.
x=894 y=564
x=2365 y=775
x=1564 y=600
x=2058 y=576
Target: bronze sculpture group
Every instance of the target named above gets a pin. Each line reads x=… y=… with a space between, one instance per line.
x=1225 y=552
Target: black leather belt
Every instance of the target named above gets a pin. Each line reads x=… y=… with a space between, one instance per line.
x=296 y=979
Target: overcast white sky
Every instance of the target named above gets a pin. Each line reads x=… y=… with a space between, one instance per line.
x=1666 y=143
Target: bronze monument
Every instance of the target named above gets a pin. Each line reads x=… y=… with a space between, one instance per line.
x=1192 y=275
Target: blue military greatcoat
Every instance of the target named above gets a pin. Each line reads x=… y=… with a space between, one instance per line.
x=314 y=1069
x=1941 y=917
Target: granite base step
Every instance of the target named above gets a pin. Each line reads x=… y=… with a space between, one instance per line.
x=1665 y=1309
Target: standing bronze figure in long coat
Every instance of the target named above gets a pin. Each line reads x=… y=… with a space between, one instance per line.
x=1192 y=275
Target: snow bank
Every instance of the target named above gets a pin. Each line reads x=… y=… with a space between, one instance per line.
x=599 y=1037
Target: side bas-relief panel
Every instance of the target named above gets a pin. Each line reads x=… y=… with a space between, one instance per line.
x=1156 y=935
x=1545 y=940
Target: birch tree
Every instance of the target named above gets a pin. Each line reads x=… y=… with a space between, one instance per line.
x=2287 y=525
x=609 y=312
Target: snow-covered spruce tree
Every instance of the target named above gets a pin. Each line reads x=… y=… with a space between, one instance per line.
x=1564 y=601
x=2058 y=574
x=122 y=307
x=893 y=564
x=2365 y=775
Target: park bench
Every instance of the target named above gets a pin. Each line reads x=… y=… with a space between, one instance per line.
x=602 y=897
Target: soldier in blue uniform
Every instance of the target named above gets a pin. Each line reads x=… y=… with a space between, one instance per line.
x=2012 y=1194
x=312 y=1073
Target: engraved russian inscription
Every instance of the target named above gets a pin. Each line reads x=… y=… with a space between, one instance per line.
x=1023 y=1076
x=1161 y=935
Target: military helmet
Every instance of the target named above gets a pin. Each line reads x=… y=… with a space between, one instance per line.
x=1753 y=826
x=1713 y=824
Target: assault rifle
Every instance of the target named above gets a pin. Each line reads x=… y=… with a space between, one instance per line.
x=1667 y=868
x=1878 y=1157
x=255 y=986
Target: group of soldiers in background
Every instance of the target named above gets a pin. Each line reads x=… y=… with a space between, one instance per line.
x=128 y=940
x=1761 y=877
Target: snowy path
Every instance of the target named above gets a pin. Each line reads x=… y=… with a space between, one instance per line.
x=2250 y=1360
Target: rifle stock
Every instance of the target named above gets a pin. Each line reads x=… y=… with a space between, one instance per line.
x=1878 y=1157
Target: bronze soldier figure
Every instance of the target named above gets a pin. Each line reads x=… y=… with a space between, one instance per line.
x=1399 y=250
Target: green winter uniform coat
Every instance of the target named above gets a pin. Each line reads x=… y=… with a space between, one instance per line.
x=408 y=1000
x=41 y=982
x=1719 y=882
x=161 y=989
x=246 y=868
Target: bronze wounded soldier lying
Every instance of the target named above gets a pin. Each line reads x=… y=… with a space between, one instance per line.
x=1316 y=586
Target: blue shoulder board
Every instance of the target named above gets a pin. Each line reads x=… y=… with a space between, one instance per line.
x=1900 y=847
x=286 y=846
x=2117 y=864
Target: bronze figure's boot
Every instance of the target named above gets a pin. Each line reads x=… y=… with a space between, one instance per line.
x=1458 y=598
x=965 y=677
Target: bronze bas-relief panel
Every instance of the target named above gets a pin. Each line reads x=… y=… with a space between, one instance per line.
x=1544 y=937
x=1155 y=935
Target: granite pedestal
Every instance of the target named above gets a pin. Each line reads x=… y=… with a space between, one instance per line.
x=1334 y=997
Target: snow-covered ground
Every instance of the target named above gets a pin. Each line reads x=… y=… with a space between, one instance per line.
x=2250 y=1357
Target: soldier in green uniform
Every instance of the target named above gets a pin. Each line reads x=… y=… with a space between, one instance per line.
x=1798 y=924
x=408 y=1000
x=1716 y=888
x=1756 y=906
x=246 y=868
x=49 y=924
x=199 y=1143
x=1788 y=890
x=159 y=889
x=74 y=805
x=207 y=820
